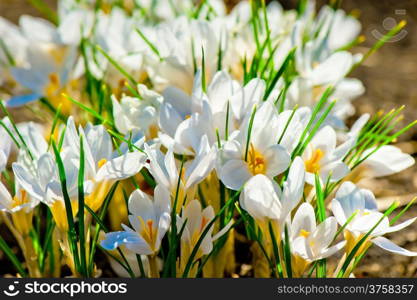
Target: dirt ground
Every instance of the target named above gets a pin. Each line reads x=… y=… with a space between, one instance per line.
x=390 y=78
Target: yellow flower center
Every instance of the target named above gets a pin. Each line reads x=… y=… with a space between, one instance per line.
x=54 y=93
x=20 y=200
x=313 y=164
x=304 y=233
x=149 y=233
x=101 y=162
x=256 y=161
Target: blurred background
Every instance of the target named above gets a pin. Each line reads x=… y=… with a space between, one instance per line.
x=390 y=78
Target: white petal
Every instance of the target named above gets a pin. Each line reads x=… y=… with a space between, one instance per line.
x=333 y=69
x=140 y=204
x=169 y=118
x=336 y=170
x=163 y=226
x=46 y=169
x=28 y=182
x=260 y=198
x=304 y=219
x=162 y=199
x=38 y=29
x=201 y=166
x=332 y=250
x=294 y=186
x=220 y=90
x=387 y=160
x=386 y=244
x=5 y=198
x=338 y=212
x=122 y=167
x=193 y=215
x=325 y=140
x=243 y=101
x=277 y=159
x=234 y=174
x=401 y=225
x=324 y=233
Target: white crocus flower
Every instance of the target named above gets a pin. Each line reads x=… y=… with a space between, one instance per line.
x=338 y=28
x=33 y=134
x=195 y=221
x=46 y=76
x=320 y=68
x=102 y=166
x=185 y=119
x=37 y=178
x=324 y=158
x=263 y=199
x=326 y=71
x=133 y=114
x=150 y=219
x=243 y=100
x=222 y=92
x=311 y=242
x=20 y=207
x=41 y=181
x=180 y=43
x=51 y=59
x=115 y=33
x=351 y=200
x=240 y=160
x=165 y=169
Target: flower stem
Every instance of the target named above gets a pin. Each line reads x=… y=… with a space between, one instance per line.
x=153 y=265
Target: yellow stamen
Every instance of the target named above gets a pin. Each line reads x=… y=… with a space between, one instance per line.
x=101 y=162
x=313 y=164
x=256 y=161
x=304 y=233
x=148 y=232
x=150 y=224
